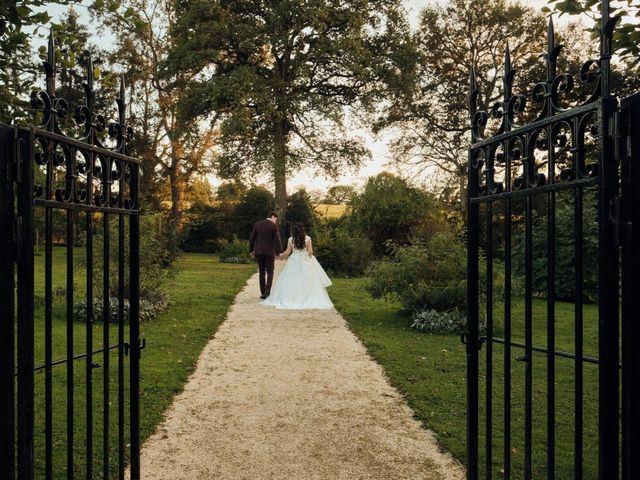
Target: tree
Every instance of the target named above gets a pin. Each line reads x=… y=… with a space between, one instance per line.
x=19 y=21
x=167 y=146
x=300 y=209
x=280 y=75
x=429 y=107
x=256 y=203
x=626 y=36
x=339 y=194
x=389 y=209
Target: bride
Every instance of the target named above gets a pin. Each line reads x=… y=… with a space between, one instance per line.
x=302 y=282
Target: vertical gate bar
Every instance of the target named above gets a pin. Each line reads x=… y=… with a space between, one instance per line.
x=70 y=321
x=48 y=327
x=7 y=306
x=26 y=391
x=528 y=340
x=472 y=300
x=489 y=353
x=89 y=342
x=122 y=117
x=630 y=287
x=134 y=333
x=89 y=325
x=551 y=263
x=551 y=316
x=106 y=318
x=578 y=334
x=507 y=328
x=89 y=276
x=121 y=353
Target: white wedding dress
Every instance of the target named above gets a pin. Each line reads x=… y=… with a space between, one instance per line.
x=301 y=284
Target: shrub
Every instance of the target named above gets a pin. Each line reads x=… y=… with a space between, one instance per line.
x=148 y=309
x=254 y=206
x=431 y=276
x=236 y=251
x=300 y=209
x=203 y=230
x=432 y=321
x=155 y=263
x=342 y=252
x=389 y=209
x=565 y=249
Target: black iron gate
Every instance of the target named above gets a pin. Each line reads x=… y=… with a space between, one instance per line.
x=567 y=408
x=54 y=421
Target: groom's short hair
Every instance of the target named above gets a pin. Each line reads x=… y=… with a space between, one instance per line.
x=272 y=214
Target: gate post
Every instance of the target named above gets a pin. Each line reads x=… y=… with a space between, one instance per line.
x=629 y=150
x=7 y=320
x=473 y=237
x=25 y=307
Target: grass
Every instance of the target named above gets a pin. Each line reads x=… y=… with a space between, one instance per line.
x=430 y=370
x=200 y=294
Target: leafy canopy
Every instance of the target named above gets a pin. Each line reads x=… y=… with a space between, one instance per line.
x=280 y=73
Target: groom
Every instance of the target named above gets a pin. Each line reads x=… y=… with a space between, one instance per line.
x=261 y=247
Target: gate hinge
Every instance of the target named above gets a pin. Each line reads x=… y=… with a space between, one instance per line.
x=18 y=236
x=615 y=131
x=614 y=218
x=16 y=174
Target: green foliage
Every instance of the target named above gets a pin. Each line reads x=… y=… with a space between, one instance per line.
x=342 y=251
x=235 y=251
x=203 y=229
x=155 y=260
x=300 y=209
x=431 y=276
x=279 y=74
x=565 y=249
x=432 y=321
x=626 y=36
x=255 y=204
x=339 y=195
x=389 y=209
x=148 y=309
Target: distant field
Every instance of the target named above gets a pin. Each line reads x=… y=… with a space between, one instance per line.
x=330 y=211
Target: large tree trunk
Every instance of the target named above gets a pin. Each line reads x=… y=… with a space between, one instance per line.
x=280 y=172
x=177 y=195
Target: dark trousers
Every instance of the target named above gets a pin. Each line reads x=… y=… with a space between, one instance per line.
x=265 y=266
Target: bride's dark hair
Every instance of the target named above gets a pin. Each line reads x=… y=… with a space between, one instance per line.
x=298 y=234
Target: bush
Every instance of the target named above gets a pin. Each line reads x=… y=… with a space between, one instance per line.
x=155 y=265
x=203 y=232
x=342 y=252
x=148 y=309
x=389 y=209
x=432 y=321
x=565 y=250
x=300 y=209
x=431 y=276
x=255 y=204
x=236 y=251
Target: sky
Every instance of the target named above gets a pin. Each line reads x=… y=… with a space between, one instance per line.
x=380 y=157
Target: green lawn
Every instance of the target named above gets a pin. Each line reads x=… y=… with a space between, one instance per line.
x=200 y=294
x=430 y=370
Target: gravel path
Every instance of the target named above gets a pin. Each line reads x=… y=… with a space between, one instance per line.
x=282 y=394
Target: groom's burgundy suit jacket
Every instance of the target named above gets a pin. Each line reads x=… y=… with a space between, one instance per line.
x=265 y=237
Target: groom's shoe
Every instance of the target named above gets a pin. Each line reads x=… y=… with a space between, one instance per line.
x=263 y=297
